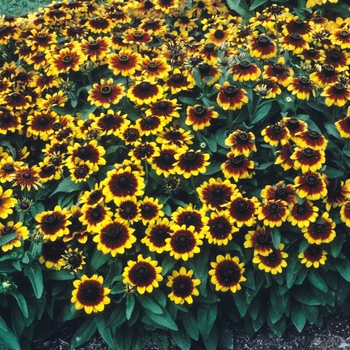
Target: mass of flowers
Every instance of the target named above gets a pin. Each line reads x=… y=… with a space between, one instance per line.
x=170 y=166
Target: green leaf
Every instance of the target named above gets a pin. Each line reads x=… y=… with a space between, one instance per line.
x=241 y=303
x=311 y=312
x=8 y=339
x=167 y=264
x=303 y=296
x=211 y=142
x=68 y=186
x=190 y=324
x=160 y=297
x=206 y=317
x=98 y=259
x=256 y=4
x=181 y=339
x=276 y=237
x=7 y=238
x=130 y=304
x=211 y=343
x=164 y=320
x=332 y=172
x=84 y=333
x=240 y=7
x=117 y=316
x=316 y=280
x=298 y=316
x=62 y=275
x=261 y=112
x=21 y=302
x=161 y=340
x=188 y=100
x=18 y=322
x=337 y=244
x=279 y=327
x=332 y=130
x=213 y=168
x=106 y=333
x=149 y=304
x=34 y=273
x=343 y=267
x=264 y=166
x=322 y=297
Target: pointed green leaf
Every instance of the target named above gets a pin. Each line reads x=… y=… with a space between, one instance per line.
x=84 y=333
x=343 y=267
x=34 y=273
x=130 y=304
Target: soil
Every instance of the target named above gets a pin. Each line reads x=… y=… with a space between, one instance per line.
x=333 y=335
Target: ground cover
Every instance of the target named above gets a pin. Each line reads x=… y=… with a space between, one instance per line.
x=173 y=170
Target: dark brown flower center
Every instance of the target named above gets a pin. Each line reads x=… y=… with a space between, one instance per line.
x=200 y=111
x=308 y=152
x=244 y=65
x=8 y=168
x=67 y=59
x=344 y=34
x=230 y=91
x=242 y=205
x=152 y=66
x=94 y=45
x=123 y=59
x=144 y=87
x=304 y=81
x=7 y=230
x=301 y=210
x=274 y=208
x=319 y=228
x=178 y=78
x=338 y=88
x=263 y=41
x=219 y=34
x=106 y=90
x=141 y=271
x=311 y=180
x=313 y=134
x=190 y=155
x=26 y=175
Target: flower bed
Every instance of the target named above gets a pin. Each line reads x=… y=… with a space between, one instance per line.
x=173 y=166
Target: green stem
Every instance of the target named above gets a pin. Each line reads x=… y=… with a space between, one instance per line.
x=230 y=118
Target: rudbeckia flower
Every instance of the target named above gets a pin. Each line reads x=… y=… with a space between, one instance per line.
x=145 y=92
x=156 y=235
x=311 y=186
x=245 y=71
x=190 y=163
x=95 y=216
x=11 y=227
x=308 y=159
x=227 y=273
x=336 y=94
x=89 y=294
x=52 y=252
x=237 y=167
x=273 y=213
x=313 y=256
x=302 y=215
x=279 y=71
x=242 y=210
x=64 y=61
x=273 y=262
x=276 y=134
x=260 y=239
x=199 y=117
x=183 y=286
x=279 y=191
x=125 y=62
x=231 y=97
x=318 y=233
x=241 y=143
x=262 y=47
x=144 y=274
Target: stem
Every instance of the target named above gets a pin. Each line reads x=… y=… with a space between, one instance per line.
x=230 y=118
x=194 y=187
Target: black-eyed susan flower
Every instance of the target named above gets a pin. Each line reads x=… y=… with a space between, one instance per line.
x=130 y=133
x=279 y=191
x=321 y=231
x=164 y=162
x=145 y=92
x=325 y=76
x=219 y=228
x=297 y=25
x=9 y=121
x=237 y=167
x=94 y=216
x=262 y=47
x=337 y=192
x=155 y=68
x=339 y=59
x=150 y=210
x=137 y=36
x=245 y=71
x=313 y=256
x=302 y=87
x=8 y=168
x=260 y=239
x=183 y=286
x=311 y=138
x=303 y=214
x=121 y=183
x=345 y=213
x=151 y=124
x=341 y=37
x=41 y=39
x=52 y=252
x=190 y=163
x=295 y=42
x=21 y=231
x=64 y=61
x=164 y=108
x=106 y=93
x=199 y=117
x=308 y=159
x=174 y=135
x=210 y=73
x=218 y=34
x=179 y=81
x=242 y=210
x=336 y=94
x=110 y=123
x=47 y=172
x=17 y=100
x=125 y=62
x=184 y=242
x=88 y=152
x=95 y=49
x=27 y=178
x=273 y=212
x=144 y=274
x=143 y=151
x=53 y=224
x=77 y=231
x=80 y=171
x=156 y=235
x=227 y=273
x=40 y=124
x=279 y=71
x=276 y=134
x=216 y=193
x=343 y=127
x=189 y=216
x=294 y=126
x=100 y=24
x=231 y=97
x=114 y=237
x=73 y=259
x=274 y=262
x=311 y=186
x=89 y=294
x=241 y=142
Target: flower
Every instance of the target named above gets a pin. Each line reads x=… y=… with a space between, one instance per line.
x=245 y=71
x=260 y=239
x=150 y=210
x=189 y=216
x=65 y=60
x=227 y=273
x=231 y=97
x=164 y=162
x=95 y=49
x=318 y=233
x=273 y=262
x=237 y=167
x=7 y=203
x=54 y=223
x=279 y=71
x=106 y=93
x=125 y=62
x=336 y=94
x=308 y=159
x=114 y=237
x=73 y=259
x=313 y=256
x=52 y=252
x=95 y=216
x=144 y=274
x=279 y=191
x=311 y=186
x=216 y=193
x=183 y=286
x=89 y=294
x=262 y=47
x=273 y=212
x=241 y=143
x=199 y=116
x=145 y=92
x=219 y=228
x=156 y=235
x=22 y=234
x=190 y=163
x=276 y=134
x=343 y=127
x=302 y=87
x=337 y=192
x=184 y=242
x=311 y=138
x=242 y=210
x=303 y=214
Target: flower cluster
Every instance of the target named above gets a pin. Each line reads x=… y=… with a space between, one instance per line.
x=194 y=150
